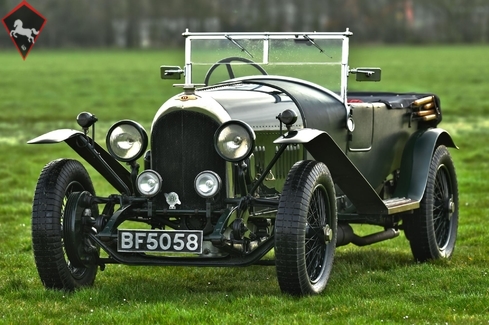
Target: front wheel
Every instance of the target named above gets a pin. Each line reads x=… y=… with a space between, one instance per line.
x=58 y=181
x=306 y=224
x=432 y=229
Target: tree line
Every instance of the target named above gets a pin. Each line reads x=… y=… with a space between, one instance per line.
x=159 y=23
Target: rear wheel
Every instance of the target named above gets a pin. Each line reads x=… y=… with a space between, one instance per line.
x=59 y=180
x=306 y=224
x=432 y=229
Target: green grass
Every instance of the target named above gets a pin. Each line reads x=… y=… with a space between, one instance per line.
x=57 y=85
x=379 y=284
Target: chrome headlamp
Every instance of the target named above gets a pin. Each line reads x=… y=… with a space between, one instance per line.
x=149 y=183
x=126 y=140
x=207 y=184
x=234 y=140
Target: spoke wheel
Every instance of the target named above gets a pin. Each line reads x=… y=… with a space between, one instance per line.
x=227 y=62
x=432 y=229
x=305 y=238
x=58 y=181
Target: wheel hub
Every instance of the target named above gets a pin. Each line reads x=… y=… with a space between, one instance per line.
x=450 y=207
x=79 y=249
x=325 y=233
x=328 y=233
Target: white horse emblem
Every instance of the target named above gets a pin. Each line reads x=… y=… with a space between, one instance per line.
x=23 y=31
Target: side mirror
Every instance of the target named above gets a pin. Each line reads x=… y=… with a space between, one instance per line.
x=367 y=74
x=170 y=72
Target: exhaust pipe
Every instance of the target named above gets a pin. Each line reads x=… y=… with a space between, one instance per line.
x=346 y=236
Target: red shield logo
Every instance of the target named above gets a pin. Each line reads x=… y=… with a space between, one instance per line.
x=24 y=24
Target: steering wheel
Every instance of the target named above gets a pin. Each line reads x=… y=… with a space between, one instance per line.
x=227 y=62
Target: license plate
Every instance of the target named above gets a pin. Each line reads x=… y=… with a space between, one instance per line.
x=168 y=241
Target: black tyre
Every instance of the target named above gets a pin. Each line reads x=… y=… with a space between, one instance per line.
x=432 y=229
x=57 y=181
x=305 y=229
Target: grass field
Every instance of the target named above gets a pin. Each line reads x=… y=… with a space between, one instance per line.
x=378 y=284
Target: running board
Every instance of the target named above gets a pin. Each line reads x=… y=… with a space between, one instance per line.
x=400 y=204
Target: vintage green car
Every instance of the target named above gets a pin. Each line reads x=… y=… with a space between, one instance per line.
x=265 y=149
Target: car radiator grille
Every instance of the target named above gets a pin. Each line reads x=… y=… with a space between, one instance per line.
x=182 y=145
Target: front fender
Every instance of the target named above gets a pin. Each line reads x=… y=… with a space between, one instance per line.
x=345 y=174
x=416 y=160
x=118 y=176
x=55 y=136
x=299 y=136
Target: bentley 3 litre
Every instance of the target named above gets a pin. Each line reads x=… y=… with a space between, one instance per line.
x=264 y=149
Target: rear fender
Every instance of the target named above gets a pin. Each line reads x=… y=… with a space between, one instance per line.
x=345 y=174
x=118 y=176
x=416 y=160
